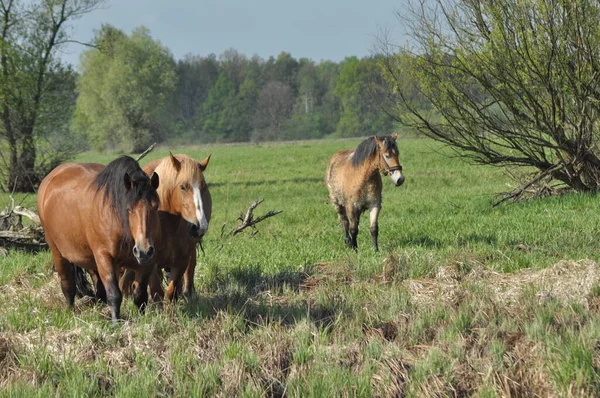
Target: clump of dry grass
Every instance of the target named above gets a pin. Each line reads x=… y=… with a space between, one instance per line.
x=390 y=378
x=567 y=281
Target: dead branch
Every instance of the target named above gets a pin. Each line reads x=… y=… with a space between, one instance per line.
x=12 y=231
x=529 y=186
x=22 y=211
x=248 y=220
x=147 y=151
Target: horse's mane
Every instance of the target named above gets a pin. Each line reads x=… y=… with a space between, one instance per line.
x=111 y=180
x=369 y=147
x=171 y=178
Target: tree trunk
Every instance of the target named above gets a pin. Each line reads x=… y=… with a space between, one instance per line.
x=22 y=176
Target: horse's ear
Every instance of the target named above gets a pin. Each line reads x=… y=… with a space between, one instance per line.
x=202 y=164
x=154 y=180
x=176 y=163
x=394 y=136
x=127 y=181
x=378 y=140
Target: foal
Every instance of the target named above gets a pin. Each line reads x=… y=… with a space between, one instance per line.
x=354 y=183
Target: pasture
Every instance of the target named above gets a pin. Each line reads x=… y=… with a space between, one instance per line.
x=461 y=300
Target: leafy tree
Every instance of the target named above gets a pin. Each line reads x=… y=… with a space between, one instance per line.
x=285 y=70
x=245 y=103
x=125 y=90
x=35 y=87
x=307 y=83
x=218 y=111
x=233 y=64
x=512 y=83
x=329 y=104
x=195 y=76
x=359 y=88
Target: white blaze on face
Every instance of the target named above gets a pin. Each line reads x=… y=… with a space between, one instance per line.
x=200 y=216
x=396 y=176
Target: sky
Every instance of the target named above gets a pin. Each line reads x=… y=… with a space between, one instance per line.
x=316 y=29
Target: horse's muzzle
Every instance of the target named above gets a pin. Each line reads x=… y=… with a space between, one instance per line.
x=143 y=257
x=195 y=230
x=397 y=177
x=400 y=181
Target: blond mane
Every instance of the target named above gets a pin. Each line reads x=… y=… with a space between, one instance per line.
x=171 y=178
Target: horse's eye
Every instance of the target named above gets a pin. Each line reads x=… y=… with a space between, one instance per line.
x=184 y=187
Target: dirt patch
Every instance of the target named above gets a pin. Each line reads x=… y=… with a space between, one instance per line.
x=566 y=281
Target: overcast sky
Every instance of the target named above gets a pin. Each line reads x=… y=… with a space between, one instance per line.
x=317 y=29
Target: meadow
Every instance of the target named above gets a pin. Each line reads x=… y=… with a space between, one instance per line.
x=462 y=299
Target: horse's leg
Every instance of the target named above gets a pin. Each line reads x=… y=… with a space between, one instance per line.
x=157 y=292
x=374 y=226
x=175 y=283
x=353 y=219
x=108 y=275
x=341 y=211
x=100 y=290
x=67 y=278
x=140 y=294
x=188 y=275
x=126 y=282
x=82 y=285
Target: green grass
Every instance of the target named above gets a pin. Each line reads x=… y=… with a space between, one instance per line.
x=291 y=311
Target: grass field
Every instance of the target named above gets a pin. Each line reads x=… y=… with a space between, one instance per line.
x=462 y=300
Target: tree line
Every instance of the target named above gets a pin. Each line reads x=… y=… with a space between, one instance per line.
x=128 y=91
x=513 y=84
x=131 y=92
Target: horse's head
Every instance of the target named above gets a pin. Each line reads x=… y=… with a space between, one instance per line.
x=389 y=163
x=132 y=197
x=182 y=184
x=142 y=213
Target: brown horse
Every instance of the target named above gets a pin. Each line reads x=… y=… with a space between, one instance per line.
x=354 y=183
x=101 y=218
x=185 y=210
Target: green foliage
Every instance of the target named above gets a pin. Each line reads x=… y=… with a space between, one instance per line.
x=218 y=110
x=360 y=97
x=236 y=99
x=36 y=89
x=125 y=89
x=510 y=83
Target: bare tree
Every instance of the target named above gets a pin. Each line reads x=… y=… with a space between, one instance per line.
x=274 y=106
x=30 y=77
x=505 y=83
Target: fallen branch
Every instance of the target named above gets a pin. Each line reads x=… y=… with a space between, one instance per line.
x=248 y=220
x=22 y=211
x=12 y=231
x=518 y=192
x=147 y=151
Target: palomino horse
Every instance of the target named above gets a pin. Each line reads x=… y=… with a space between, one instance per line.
x=185 y=210
x=101 y=218
x=354 y=183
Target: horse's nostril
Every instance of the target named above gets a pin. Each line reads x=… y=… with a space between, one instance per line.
x=194 y=230
x=150 y=251
x=136 y=251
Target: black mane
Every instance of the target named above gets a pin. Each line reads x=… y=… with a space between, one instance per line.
x=369 y=147
x=112 y=180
